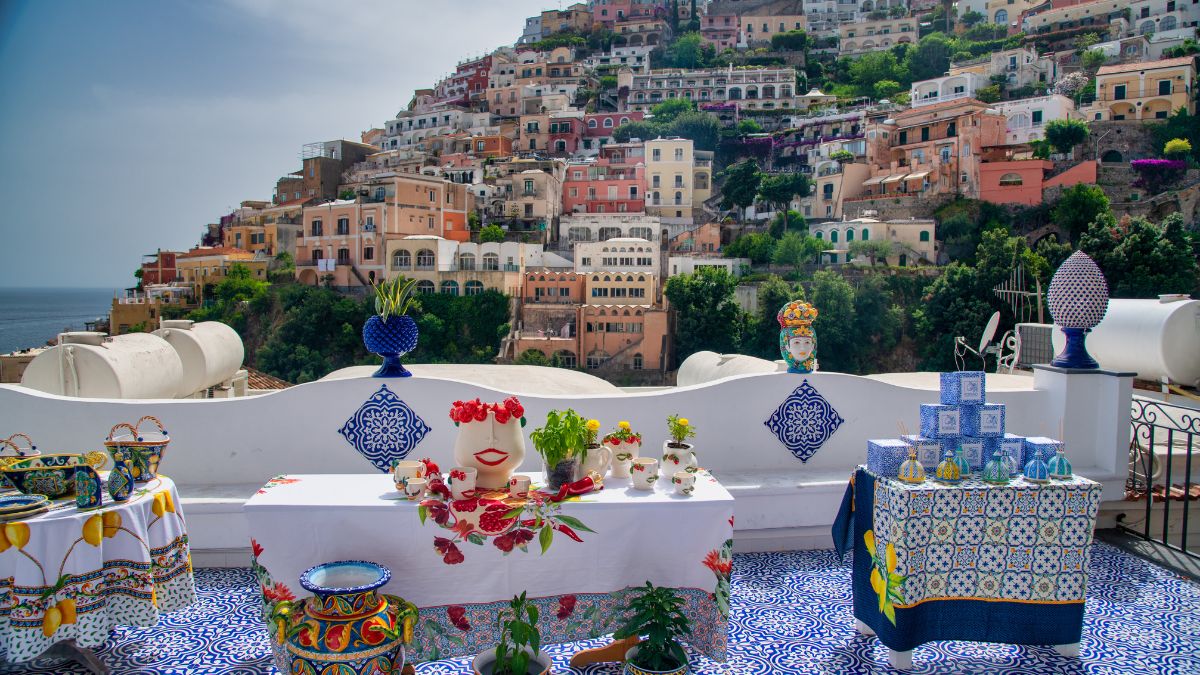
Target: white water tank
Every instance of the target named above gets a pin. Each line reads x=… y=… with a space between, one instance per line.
x=211 y=352
x=92 y=365
x=703 y=367
x=1153 y=338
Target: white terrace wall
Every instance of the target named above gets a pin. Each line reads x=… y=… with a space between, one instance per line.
x=222 y=450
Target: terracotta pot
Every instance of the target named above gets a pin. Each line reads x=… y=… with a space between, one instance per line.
x=540 y=665
x=493 y=448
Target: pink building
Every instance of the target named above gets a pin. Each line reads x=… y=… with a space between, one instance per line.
x=566 y=133
x=599 y=127
x=614 y=183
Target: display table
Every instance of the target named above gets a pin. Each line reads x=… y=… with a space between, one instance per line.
x=974 y=561
x=70 y=576
x=460 y=579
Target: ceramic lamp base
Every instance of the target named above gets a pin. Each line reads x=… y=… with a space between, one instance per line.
x=392 y=367
x=1075 y=354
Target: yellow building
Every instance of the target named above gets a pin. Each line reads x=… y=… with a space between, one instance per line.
x=619 y=288
x=678 y=179
x=1143 y=90
x=758 y=30
x=204 y=267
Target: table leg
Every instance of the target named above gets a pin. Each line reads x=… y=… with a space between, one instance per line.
x=862 y=628
x=608 y=653
x=900 y=660
x=81 y=655
x=1069 y=651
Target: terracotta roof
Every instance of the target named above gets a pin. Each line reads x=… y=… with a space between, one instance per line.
x=296 y=202
x=216 y=250
x=256 y=379
x=1145 y=65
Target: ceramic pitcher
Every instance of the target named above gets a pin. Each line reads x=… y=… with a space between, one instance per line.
x=681 y=458
x=120 y=479
x=599 y=458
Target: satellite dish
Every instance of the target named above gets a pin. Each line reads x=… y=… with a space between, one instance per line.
x=989 y=331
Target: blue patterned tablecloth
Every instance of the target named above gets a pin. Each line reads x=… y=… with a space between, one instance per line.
x=973 y=561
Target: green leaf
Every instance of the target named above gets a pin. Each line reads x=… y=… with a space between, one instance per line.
x=514 y=512
x=574 y=523
x=890 y=612
x=545 y=537
x=475 y=538
x=422 y=512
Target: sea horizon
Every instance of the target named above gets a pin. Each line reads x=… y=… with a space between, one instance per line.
x=31 y=315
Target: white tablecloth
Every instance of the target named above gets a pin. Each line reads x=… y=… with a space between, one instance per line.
x=297 y=521
x=72 y=575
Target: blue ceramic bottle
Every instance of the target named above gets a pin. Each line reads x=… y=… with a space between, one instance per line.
x=88 y=488
x=120 y=479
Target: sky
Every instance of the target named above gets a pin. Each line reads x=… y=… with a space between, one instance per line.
x=127 y=126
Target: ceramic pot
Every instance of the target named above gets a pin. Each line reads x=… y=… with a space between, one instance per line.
x=120 y=479
x=347 y=627
x=390 y=339
x=631 y=669
x=680 y=457
x=623 y=456
x=567 y=471
x=143 y=450
x=495 y=449
x=50 y=475
x=9 y=447
x=599 y=458
x=538 y=665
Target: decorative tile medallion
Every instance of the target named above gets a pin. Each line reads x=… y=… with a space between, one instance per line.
x=804 y=421
x=384 y=429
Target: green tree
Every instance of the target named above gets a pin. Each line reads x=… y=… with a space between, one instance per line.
x=703 y=129
x=872 y=249
x=878 y=321
x=759 y=247
x=886 y=88
x=491 y=233
x=1190 y=47
x=1177 y=148
x=749 y=126
x=792 y=41
x=1141 y=259
x=780 y=189
x=687 y=51
x=645 y=131
x=707 y=317
x=1092 y=59
x=668 y=110
x=474 y=222
x=137 y=274
x=790 y=251
x=1078 y=207
x=1065 y=134
x=531 y=357
x=930 y=58
x=762 y=339
x=741 y=185
x=988 y=94
x=873 y=67
x=785 y=221
x=837 y=341
x=1181 y=125
x=971 y=17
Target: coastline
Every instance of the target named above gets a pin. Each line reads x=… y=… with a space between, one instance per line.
x=29 y=317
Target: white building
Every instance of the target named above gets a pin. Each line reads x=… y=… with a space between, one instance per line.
x=579 y=227
x=687 y=264
x=947 y=88
x=750 y=88
x=532 y=32
x=411 y=127
x=1021 y=67
x=637 y=59
x=620 y=254
x=913 y=241
x=1154 y=16
x=1028 y=117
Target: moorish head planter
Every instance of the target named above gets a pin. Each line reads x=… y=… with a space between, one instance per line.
x=797 y=341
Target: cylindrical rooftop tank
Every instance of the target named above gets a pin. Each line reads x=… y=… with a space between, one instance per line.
x=1153 y=338
x=91 y=365
x=704 y=367
x=211 y=352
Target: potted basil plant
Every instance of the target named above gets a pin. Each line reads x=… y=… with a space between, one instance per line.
x=519 y=651
x=392 y=333
x=656 y=616
x=562 y=443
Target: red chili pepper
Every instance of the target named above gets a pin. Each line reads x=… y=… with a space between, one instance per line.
x=567 y=531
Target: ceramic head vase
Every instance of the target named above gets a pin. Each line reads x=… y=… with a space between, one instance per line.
x=797 y=340
x=490 y=439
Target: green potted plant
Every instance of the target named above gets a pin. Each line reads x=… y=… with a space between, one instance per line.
x=392 y=333
x=562 y=443
x=655 y=615
x=519 y=651
x=678 y=454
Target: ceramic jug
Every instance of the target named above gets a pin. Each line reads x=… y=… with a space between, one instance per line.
x=87 y=488
x=120 y=479
x=682 y=458
x=599 y=459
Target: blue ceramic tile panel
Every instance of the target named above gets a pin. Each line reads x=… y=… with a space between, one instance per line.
x=804 y=421
x=384 y=429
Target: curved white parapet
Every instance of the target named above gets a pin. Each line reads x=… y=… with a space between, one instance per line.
x=1153 y=338
x=90 y=365
x=703 y=367
x=211 y=353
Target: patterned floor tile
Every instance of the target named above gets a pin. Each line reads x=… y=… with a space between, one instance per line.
x=790 y=614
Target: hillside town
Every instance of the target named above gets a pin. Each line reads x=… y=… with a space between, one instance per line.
x=617 y=144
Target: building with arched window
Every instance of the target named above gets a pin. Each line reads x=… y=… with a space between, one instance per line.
x=1143 y=90
x=643 y=92
x=913 y=240
x=860 y=37
x=458 y=268
x=621 y=254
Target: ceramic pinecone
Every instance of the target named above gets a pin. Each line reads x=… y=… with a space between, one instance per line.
x=397 y=335
x=1078 y=293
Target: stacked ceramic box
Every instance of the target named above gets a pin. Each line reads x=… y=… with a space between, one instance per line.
x=963 y=419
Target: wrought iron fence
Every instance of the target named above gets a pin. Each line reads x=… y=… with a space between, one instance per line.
x=1162 y=434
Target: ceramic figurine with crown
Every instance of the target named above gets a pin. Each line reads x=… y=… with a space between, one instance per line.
x=797 y=340
x=490 y=439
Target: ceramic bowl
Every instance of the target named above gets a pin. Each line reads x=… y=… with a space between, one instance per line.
x=50 y=475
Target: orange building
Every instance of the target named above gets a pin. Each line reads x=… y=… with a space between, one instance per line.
x=1024 y=181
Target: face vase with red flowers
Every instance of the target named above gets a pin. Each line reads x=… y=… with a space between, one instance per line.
x=490 y=439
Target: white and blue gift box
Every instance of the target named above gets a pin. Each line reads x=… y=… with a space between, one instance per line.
x=1041 y=447
x=982 y=421
x=963 y=387
x=884 y=456
x=940 y=421
x=929 y=450
x=973 y=450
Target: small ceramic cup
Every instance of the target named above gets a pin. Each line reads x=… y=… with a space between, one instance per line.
x=645 y=472
x=461 y=481
x=414 y=488
x=623 y=460
x=403 y=471
x=518 y=486
x=685 y=483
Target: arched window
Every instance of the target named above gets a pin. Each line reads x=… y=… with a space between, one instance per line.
x=565 y=359
x=820 y=234
x=491 y=262
x=849 y=235
x=1002 y=17
x=425 y=259
x=1011 y=179
x=624 y=120
x=466 y=261
x=474 y=287
x=608 y=123
x=596 y=358
x=924 y=235
x=865 y=234
x=450 y=287
x=735 y=93
x=1112 y=157
x=592 y=123
x=1147 y=28
x=1168 y=23
x=833 y=236
x=425 y=286
x=401 y=260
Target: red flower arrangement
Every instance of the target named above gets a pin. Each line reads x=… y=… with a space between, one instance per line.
x=462 y=412
x=458 y=617
x=717 y=564
x=566 y=606
x=255 y=547
x=278 y=593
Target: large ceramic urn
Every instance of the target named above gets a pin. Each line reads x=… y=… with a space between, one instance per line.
x=490 y=440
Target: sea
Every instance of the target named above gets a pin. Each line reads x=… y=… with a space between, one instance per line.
x=31 y=316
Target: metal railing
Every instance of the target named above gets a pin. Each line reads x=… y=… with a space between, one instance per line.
x=1160 y=431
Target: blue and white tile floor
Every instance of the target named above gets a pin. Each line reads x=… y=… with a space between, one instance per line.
x=791 y=614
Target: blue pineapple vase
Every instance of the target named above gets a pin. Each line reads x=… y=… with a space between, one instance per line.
x=391 y=339
x=1059 y=467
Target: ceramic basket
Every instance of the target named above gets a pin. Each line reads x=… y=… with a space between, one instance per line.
x=143 y=451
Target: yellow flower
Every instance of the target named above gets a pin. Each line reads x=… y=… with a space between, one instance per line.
x=16 y=534
x=869 y=538
x=93 y=530
x=891 y=558
x=593 y=425
x=623 y=425
x=682 y=421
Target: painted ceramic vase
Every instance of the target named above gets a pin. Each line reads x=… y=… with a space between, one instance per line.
x=12 y=447
x=120 y=479
x=948 y=471
x=347 y=627
x=996 y=471
x=142 y=448
x=491 y=441
x=797 y=339
x=1059 y=467
x=623 y=456
x=681 y=457
x=1036 y=471
x=911 y=470
x=598 y=460
x=50 y=475
x=390 y=339
x=88 y=488
x=631 y=669
x=964 y=467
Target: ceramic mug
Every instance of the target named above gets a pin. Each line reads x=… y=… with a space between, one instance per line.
x=685 y=483
x=645 y=472
x=414 y=488
x=518 y=486
x=623 y=459
x=403 y=471
x=461 y=481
